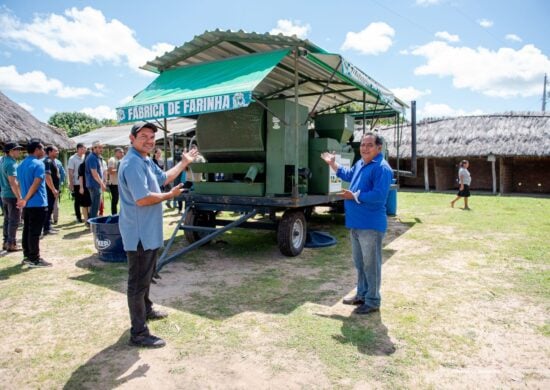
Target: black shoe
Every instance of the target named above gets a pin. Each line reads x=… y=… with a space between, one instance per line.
x=364 y=309
x=26 y=261
x=353 y=301
x=156 y=315
x=147 y=341
x=51 y=231
x=40 y=263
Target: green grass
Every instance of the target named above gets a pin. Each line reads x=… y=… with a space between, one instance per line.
x=440 y=265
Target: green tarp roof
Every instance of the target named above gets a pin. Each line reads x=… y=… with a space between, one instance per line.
x=206 y=87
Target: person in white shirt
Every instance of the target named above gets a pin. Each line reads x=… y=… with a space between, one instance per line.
x=464 y=181
x=74 y=162
x=112 y=168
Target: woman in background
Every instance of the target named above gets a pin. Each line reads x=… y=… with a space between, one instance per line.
x=464 y=180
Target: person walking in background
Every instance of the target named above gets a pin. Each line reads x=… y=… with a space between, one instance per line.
x=94 y=177
x=84 y=193
x=365 y=205
x=74 y=163
x=10 y=193
x=52 y=186
x=113 y=164
x=31 y=174
x=140 y=225
x=464 y=181
x=62 y=177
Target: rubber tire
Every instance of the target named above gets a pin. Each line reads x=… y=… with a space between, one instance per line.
x=198 y=218
x=292 y=225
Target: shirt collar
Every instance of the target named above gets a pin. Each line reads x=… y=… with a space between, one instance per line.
x=376 y=159
x=136 y=153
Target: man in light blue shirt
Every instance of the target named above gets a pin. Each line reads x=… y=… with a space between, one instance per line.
x=140 y=224
x=365 y=203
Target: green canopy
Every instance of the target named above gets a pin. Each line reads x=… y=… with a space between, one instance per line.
x=202 y=88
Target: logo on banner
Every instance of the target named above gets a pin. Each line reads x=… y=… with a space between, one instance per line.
x=120 y=114
x=239 y=100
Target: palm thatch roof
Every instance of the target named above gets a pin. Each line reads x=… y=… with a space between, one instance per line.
x=525 y=134
x=119 y=135
x=17 y=124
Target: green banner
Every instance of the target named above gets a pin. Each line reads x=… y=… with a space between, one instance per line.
x=184 y=107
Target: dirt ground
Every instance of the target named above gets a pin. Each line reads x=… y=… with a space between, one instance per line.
x=447 y=321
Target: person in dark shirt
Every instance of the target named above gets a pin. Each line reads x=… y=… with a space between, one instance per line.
x=52 y=186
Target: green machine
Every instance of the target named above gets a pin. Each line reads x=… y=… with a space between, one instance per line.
x=266 y=107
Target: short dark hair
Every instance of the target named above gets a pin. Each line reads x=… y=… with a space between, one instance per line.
x=80 y=145
x=378 y=140
x=49 y=148
x=463 y=162
x=33 y=144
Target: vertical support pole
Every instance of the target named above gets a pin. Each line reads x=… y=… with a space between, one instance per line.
x=295 y=191
x=364 y=112
x=494 y=174
x=165 y=144
x=426 y=176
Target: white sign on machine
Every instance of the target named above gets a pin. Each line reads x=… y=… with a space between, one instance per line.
x=335 y=183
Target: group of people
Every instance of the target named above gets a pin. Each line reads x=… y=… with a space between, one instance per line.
x=90 y=177
x=140 y=181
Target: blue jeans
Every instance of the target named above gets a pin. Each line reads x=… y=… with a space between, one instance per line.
x=366 y=249
x=95 y=195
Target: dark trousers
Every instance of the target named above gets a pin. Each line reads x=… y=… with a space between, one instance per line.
x=33 y=222
x=76 y=194
x=114 y=198
x=48 y=219
x=12 y=217
x=141 y=267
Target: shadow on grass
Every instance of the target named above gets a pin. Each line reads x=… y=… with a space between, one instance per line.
x=6 y=273
x=77 y=234
x=107 y=367
x=366 y=332
x=245 y=272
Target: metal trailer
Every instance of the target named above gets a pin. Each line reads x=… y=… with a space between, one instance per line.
x=256 y=98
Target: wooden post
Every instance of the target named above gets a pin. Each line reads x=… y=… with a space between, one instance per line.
x=494 y=174
x=426 y=176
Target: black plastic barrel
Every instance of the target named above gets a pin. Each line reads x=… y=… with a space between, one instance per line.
x=107 y=239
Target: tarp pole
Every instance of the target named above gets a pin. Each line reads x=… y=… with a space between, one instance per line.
x=165 y=144
x=364 y=112
x=295 y=191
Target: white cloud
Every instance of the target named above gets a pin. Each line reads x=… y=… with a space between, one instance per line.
x=447 y=36
x=26 y=106
x=485 y=23
x=438 y=110
x=84 y=36
x=408 y=94
x=99 y=86
x=502 y=73
x=125 y=100
x=288 y=27
x=513 y=38
x=100 y=112
x=37 y=82
x=376 y=38
x=427 y=3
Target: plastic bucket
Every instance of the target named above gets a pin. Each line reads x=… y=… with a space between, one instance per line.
x=107 y=239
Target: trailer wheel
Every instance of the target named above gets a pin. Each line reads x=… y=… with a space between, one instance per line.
x=198 y=218
x=291 y=233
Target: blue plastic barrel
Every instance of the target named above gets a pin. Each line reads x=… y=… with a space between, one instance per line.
x=107 y=239
x=391 y=202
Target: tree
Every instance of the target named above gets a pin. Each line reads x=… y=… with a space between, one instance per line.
x=74 y=123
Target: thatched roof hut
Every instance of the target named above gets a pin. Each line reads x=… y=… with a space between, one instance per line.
x=525 y=134
x=17 y=124
x=509 y=152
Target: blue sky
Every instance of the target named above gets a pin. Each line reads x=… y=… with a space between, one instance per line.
x=455 y=57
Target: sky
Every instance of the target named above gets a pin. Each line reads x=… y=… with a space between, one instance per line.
x=454 y=57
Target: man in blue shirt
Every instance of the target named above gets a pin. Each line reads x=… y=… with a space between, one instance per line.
x=31 y=175
x=94 y=177
x=365 y=204
x=52 y=186
x=10 y=195
x=140 y=224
